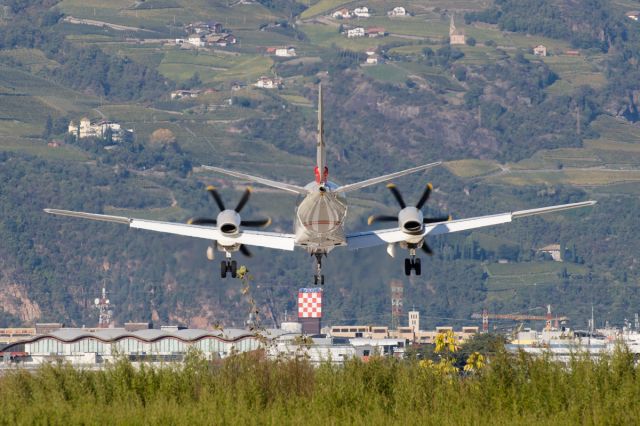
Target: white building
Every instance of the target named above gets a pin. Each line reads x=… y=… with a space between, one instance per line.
x=633 y=15
x=553 y=250
x=456 y=36
x=355 y=32
x=196 y=40
x=361 y=12
x=268 y=83
x=98 y=130
x=341 y=14
x=397 y=11
x=540 y=50
x=286 y=52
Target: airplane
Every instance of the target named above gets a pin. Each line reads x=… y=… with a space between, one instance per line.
x=319 y=218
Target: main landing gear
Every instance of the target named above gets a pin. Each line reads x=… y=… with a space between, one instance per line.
x=412 y=263
x=228 y=266
x=318 y=278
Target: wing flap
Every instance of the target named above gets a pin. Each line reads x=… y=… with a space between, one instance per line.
x=251 y=238
x=395 y=235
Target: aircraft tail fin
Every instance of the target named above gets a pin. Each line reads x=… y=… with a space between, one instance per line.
x=322 y=171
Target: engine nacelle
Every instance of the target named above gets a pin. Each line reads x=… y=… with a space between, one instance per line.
x=229 y=222
x=410 y=220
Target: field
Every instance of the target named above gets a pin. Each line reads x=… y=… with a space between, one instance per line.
x=515 y=275
x=247 y=390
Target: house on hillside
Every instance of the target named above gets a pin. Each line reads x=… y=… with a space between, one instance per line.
x=285 y=52
x=456 y=36
x=540 y=50
x=185 y=94
x=269 y=83
x=197 y=40
x=355 y=32
x=98 y=130
x=633 y=14
x=397 y=11
x=341 y=14
x=375 y=32
x=552 y=250
x=361 y=12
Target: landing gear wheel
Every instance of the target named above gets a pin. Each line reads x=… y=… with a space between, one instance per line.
x=223 y=269
x=407 y=267
x=321 y=279
x=417 y=266
x=233 y=266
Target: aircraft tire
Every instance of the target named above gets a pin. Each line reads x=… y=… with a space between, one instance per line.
x=223 y=269
x=407 y=266
x=234 y=268
x=417 y=266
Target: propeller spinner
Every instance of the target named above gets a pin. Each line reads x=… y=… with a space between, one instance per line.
x=410 y=219
x=229 y=220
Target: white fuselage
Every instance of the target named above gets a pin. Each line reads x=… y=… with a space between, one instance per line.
x=320 y=216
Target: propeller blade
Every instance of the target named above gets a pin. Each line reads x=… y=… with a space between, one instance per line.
x=214 y=193
x=244 y=250
x=427 y=249
x=425 y=196
x=373 y=219
x=201 y=221
x=397 y=194
x=428 y=220
x=260 y=223
x=243 y=200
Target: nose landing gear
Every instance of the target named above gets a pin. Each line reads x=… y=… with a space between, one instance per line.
x=412 y=263
x=318 y=278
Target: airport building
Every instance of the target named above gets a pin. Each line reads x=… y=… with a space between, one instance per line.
x=95 y=347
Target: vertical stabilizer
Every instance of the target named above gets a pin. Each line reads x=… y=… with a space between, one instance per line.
x=321 y=164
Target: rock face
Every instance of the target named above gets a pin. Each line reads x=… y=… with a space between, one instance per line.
x=14 y=300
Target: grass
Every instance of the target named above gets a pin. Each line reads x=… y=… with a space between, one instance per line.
x=245 y=389
x=323 y=7
x=39 y=148
x=386 y=72
x=593 y=177
x=471 y=168
x=513 y=275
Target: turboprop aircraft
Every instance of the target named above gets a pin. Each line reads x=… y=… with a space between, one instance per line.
x=319 y=218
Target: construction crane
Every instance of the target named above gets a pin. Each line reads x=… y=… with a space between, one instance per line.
x=548 y=318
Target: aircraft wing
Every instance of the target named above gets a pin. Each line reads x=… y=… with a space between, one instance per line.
x=395 y=235
x=272 y=183
x=373 y=181
x=251 y=238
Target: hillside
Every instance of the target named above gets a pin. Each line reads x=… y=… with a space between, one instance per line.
x=516 y=130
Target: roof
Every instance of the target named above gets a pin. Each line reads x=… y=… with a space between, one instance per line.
x=109 y=335
x=550 y=247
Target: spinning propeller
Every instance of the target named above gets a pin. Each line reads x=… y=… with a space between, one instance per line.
x=410 y=219
x=229 y=220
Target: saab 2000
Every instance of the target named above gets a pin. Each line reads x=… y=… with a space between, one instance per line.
x=319 y=219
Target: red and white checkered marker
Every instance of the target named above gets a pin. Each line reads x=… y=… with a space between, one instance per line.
x=310 y=303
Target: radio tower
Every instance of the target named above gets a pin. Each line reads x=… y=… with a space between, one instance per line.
x=103 y=306
x=397 y=294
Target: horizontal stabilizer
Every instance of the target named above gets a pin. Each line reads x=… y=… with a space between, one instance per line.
x=280 y=185
x=373 y=181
